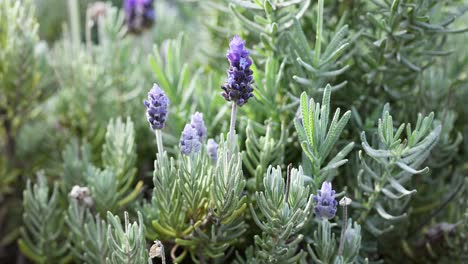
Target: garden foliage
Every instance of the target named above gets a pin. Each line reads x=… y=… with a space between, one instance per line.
x=234 y=131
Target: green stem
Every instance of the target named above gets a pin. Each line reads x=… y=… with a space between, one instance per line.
x=375 y=195
x=159 y=141
x=318 y=36
x=343 y=230
x=288 y=183
x=73 y=10
x=232 y=128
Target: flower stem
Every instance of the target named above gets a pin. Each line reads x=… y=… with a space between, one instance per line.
x=318 y=36
x=74 y=21
x=343 y=230
x=159 y=141
x=232 y=128
x=344 y=202
x=288 y=183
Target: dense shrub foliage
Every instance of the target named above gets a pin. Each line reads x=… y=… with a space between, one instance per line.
x=233 y=131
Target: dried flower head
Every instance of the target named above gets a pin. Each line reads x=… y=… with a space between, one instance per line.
x=238 y=86
x=82 y=195
x=345 y=201
x=97 y=10
x=157 y=250
x=199 y=125
x=156 y=107
x=139 y=14
x=325 y=203
x=212 y=149
x=190 y=141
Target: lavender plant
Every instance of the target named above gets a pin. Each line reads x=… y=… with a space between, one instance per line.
x=286 y=209
x=127 y=243
x=318 y=139
x=207 y=217
x=23 y=74
x=92 y=193
x=43 y=236
x=245 y=165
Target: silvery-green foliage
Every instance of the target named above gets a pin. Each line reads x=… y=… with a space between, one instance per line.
x=113 y=186
x=315 y=67
x=270 y=20
x=227 y=197
x=194 y=178
x=173 y=73
x=352 y=242
x=104 y=187
x=265 y=142
x=197 y=204
x=96 y=79
x=23 y=65
x=126 y=241
x=318 y=136
x=389 y=166
x=262 y=151
x=416 y=33
x=20 y=59
x=268 y=103
x=42 y=238
x=88 y=234
x=224 y=224
x=76 y=159
x=324 y=248
x=449 y=140
x=214 y=108
x=399 y=51
x=119 y=156
x=285 y=207
x=167 y=200
x=110 y=189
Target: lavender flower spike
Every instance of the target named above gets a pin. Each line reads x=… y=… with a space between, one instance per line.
x=212 y=149
x=238 y=86
x=156 y=107
x=139 y=14
x=325 y=203
x=189 y=141
x=199 y=125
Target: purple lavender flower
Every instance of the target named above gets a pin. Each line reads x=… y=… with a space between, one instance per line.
x=190 y=141
x=199 y=125
x=156 y=107
x=238 y=86
x=212 y=149
x=139 y=14
x=325 y=203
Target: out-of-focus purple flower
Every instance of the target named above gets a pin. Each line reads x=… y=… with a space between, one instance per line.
x=139 y=14
x=156 y=107
x=325 y=203
x=199 y=125
x=189 y=141
x=238 y=86
x=212 y=149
